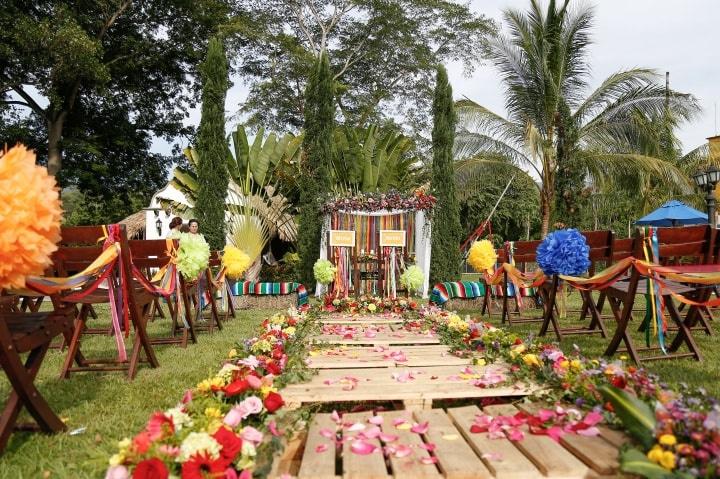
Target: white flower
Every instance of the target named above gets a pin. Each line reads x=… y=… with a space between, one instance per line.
x=199 y=443
x=179 y=418
x=250 y=361
x=252 y=404
x=226 y=371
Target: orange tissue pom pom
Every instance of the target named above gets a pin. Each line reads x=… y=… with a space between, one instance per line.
x=30 y=215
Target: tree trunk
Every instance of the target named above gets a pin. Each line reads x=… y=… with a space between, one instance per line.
x=544 y=214
x=55 y=128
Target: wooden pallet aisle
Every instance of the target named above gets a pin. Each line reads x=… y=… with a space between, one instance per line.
x=459 y=452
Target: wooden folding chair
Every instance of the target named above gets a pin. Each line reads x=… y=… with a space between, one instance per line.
x=674 y=244
x=523 y=254
x=600 y=244
x=28 y=332
x=221 y=285
x=79 y=247
x=147 y=254
x=194 y=297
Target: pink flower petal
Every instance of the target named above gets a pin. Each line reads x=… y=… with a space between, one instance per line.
x=399 y=420
x=362 y=448
x=555 y=433
x=428 y=447
x=370 y=333
x=356 y=427
x=272 y=425
x=372 y=432
x=335 y=416
x=545 y=414
x=321 y=448
x=429 y=460
x=592 y=418
x=420 y=428
x=327 y=433
x=516 y=435
x=377 y=420
x=492 y=456
x=590 y=431
x=402 y=450
x=388 y=437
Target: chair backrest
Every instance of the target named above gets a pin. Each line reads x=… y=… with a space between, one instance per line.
x=601 y=247
x=694 y=243
x=150 y=253
x=78 y=248
x=622 y=248
x=524 y=251
x=215 y=260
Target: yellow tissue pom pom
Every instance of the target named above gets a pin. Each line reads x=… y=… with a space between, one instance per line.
x=482 y=256
x=235 y=260
x=30 y=217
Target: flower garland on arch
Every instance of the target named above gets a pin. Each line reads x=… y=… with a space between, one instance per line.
x=371 y=202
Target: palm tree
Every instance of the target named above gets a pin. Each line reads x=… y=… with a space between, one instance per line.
x=552 y=116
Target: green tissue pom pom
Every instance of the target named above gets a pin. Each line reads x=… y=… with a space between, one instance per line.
x=193 y=255
x=412 y=278
x=324 y=271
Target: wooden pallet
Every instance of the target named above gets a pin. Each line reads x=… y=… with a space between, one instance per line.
x=362 y=320
x=460 y=454
x=372 y=384
x=381 y=338
x=380 y=357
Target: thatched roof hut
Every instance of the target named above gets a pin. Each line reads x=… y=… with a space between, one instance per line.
x=135 y=225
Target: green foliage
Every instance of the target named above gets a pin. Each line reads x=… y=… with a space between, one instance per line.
x=317 y=162
x=212 y=173
x=383 y=55
x=637 y=417
x=555 y=124
x=635 y=462
x=446 y=230
x=373 y=159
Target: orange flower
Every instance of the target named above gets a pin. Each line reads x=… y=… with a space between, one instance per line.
x=30 y=215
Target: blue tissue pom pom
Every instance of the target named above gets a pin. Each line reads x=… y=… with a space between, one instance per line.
x=564 y=252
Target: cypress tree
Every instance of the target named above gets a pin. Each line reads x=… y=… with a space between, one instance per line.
x=317 y=160
x=446 y=229
x=212 y=146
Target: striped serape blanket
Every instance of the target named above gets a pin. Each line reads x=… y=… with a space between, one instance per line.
x=524 y=292
x=244 y=288
x=442 y=292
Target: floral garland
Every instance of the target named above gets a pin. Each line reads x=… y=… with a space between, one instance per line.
x=370 y=202
x=229 y=424
x=681 y=436
x=367 y=305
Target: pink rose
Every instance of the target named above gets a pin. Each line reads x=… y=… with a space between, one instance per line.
x=230 y=473
x=234 y=416
x=117 y=472
x=251 y=434
x=254 y=382
x=252 y=405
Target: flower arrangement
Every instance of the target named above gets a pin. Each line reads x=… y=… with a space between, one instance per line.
x=564 y=252
x=412 y=278
x=369 y=201
x=324 y=271
x=235 y=261
x=30 y=218
x=367 y=305
x=193 y=255
x=482 y=256
x=222 y=425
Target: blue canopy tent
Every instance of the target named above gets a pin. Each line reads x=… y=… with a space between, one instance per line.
x=674 y=213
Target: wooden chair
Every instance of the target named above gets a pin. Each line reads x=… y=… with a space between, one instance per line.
x=147 y=254
x=601 y=252
x=79 y=248
x=674 y=244
x=195 y=294
x=523 y=254
x=28 y=332
x=221 y=285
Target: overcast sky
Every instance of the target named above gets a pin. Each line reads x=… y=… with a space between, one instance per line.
x=679 y=36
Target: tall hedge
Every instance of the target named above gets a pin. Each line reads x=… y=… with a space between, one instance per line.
x=317 y=160
x=446 y=229
x=212 y=146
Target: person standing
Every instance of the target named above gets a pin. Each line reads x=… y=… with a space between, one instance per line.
x=175 y=225
x=194 y=226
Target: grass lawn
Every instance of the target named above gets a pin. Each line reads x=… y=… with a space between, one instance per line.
x=108 y=407
x=674 y=372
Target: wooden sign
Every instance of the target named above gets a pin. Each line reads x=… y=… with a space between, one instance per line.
x=342 y=238
x=392 y=238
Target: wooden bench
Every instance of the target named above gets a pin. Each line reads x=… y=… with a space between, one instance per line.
x=28 y=332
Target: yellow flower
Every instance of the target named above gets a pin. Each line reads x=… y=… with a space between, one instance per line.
x=667 y=440
x=232 y=353
x=623 y=357
x=531 y=360
x=371 y=307
x=289 y=330
x=265 y=390
x=213 y=412
x=518 y=348
x=117 y=459
x=564 y=364
x=206 y=385
x=124 y=444
x=480 y=361
x=655 y=454
x=668 y=460
x=575 y=364
x=213 y=426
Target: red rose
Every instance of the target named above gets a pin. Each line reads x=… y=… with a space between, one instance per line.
x=619 y=382
x=273 y=368
x=277 y=352
x=200 y=467
x=151 y=469
x=236 y=387
x=273 y=402
x=231 y=444
x=159 y=426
